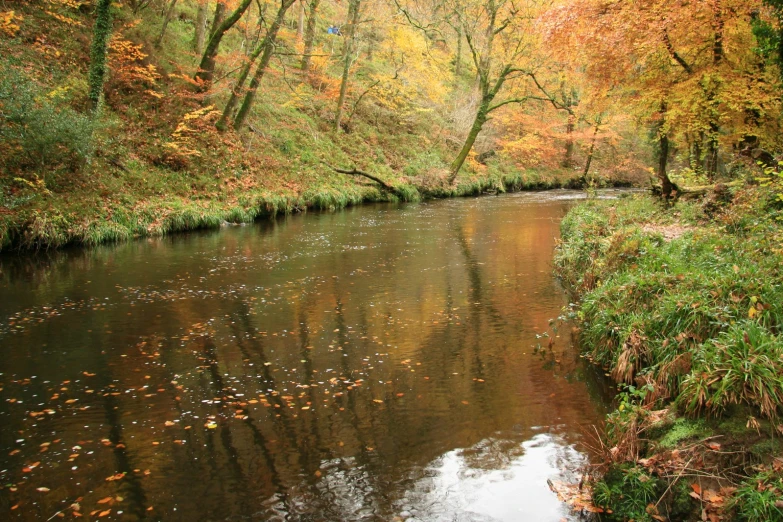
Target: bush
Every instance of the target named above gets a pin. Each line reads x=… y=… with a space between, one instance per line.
x=740 y=366
x=627 y=492
x=36 y=132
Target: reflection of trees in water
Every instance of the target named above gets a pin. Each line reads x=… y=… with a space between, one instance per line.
x=424 y=284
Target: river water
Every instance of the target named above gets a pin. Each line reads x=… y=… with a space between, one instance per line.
x=385 y=362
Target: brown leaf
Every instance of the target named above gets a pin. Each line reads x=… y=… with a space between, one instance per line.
x=104 y=513
x=104 y=500
x=696 y=489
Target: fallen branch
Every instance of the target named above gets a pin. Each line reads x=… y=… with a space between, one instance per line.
x=354 y=172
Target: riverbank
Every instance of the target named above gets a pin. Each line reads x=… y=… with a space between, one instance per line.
x=151 y=161
x=95 y=215
x=683 y=308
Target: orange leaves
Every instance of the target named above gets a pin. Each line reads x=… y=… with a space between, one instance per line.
x=9 y=25
x=129 y=68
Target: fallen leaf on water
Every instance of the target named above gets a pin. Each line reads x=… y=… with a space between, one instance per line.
x=104 y=513
x=169 y=423
x=465 y=402
x=104 y=500
x=42 y=489
x=211 y=425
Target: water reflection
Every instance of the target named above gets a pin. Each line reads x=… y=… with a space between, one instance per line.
x=363 y=365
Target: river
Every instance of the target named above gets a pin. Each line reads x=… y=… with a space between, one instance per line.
x=385 y=362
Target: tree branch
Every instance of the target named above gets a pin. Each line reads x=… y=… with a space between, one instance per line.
x=354 y=172
x=506 y=102
x=674 y=54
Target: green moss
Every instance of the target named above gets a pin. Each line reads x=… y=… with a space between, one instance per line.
x=682 y=430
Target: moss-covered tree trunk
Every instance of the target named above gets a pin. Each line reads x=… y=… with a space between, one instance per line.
x=199 y=39
x=309 y=37
x=663 y=155
x=206 y=69
x=475 y=129
x=267 y=48
x=101 y=32
x=353 y=19
x=166 y=20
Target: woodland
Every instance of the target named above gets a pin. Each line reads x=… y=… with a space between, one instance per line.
x=129 y=119
x=137 y=118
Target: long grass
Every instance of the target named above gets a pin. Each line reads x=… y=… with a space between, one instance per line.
x=697 y=316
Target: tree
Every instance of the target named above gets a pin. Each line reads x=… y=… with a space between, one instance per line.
x=166 y=20
x=201 y=27
x=206 y=68
x=700 y=84
x=266 y=48
x=100 y=39
x=347 y=58
x=495 y=31
x=309 y=35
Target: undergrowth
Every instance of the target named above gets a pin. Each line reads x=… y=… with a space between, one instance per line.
x=683 y=307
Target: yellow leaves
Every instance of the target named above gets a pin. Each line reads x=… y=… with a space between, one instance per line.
x=192 y=123
x=64 y=19
x=8 y=23
x=128 y=66
x=69 y=4
x=300 y=97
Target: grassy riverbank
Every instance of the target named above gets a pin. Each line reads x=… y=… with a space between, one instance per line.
x=683 y=307
x=151 y=161
x=147 y=203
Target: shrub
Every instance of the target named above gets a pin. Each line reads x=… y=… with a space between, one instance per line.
x=36 y=131
x=740 y=366
x=627 y=491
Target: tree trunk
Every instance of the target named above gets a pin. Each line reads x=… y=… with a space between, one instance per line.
x=301 y=22
x=591 y=151
x=206 y=69
x=353 y=19
x=218 y=17
x=568 y=159
x=458 y=59
x=711 y=156
x=309 y=38
x=478 y=123
x=663 y=158
x=166 y=20
x=201 y=27
x=267 y=48
x=100 y=38
x=236 y=90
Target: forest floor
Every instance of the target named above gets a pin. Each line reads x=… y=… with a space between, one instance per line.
x=683 y=307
